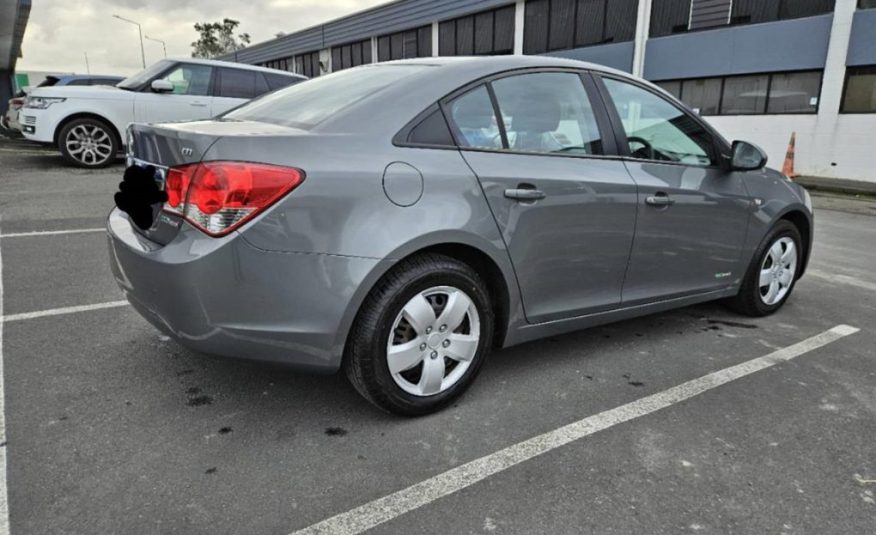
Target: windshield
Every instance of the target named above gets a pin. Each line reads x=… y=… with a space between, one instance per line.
x=306 y=104
x=134 y=82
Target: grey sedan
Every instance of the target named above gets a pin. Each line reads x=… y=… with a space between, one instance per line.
x=400 y=220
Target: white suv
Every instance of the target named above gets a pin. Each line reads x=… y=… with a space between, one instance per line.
x=86 y=123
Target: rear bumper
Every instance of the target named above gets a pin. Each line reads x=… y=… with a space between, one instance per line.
x=226 y=297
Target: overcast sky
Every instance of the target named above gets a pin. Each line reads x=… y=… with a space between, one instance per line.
x=60 y=32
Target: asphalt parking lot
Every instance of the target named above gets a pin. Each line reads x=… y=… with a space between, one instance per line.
x=112 y=428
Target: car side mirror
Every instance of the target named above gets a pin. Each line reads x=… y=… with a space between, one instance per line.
x=747 y=157
x=162 y=86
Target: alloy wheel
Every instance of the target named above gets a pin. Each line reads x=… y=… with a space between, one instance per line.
x=433 y=341
x=777 y=271
x=89 y=144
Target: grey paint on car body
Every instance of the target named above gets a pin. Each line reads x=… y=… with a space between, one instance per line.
x=287 y=286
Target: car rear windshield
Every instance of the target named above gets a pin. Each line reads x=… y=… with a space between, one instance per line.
x=309 y=103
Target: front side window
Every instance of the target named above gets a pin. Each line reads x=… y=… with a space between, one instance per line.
x=473 y=115
x=190 y=79
x=860 y=91
x=548 y=112
x=656 y=129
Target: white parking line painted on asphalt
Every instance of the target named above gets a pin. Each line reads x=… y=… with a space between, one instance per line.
x=843 y=279
x=4 y=501
x=51 y=232
x=384 y=509
x=62 y=311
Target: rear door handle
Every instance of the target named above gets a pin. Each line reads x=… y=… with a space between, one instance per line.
x=525 y=194
x=660 y=199
x=199 y=104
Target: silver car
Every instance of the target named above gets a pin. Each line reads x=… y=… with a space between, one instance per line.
x=400 y=220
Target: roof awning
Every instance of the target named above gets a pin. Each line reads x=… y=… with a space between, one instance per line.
x=13 y=21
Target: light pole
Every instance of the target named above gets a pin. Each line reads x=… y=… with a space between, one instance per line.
x=139 y=29
x=163 y=44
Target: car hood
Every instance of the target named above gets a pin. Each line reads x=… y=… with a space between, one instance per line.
x=98 y=92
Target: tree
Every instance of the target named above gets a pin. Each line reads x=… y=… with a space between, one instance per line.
x=217 y=39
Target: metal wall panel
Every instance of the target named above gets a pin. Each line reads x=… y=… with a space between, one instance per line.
x=862 y=49
x=789 y=45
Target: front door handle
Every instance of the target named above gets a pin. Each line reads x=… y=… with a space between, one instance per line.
x=525 y=194
x=199 y=104
x=659 y=199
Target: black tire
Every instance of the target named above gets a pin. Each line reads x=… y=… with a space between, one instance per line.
x=365 y=359
x=748 y=301
x=98 y=134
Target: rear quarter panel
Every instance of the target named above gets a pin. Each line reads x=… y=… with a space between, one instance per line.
x=341 y=208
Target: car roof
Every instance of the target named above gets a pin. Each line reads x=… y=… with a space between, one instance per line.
x=87 y=77
x=395 y=105
x=233 y=65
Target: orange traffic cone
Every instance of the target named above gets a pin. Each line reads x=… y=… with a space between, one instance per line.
x=788 y=167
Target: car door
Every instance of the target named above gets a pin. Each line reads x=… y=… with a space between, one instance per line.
x=692 y=213
x=234 y=87
x=190 y=99
x=565 y=210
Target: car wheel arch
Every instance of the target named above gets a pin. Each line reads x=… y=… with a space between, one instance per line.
x=87 y=115
x=503 y=292
x=799 y=219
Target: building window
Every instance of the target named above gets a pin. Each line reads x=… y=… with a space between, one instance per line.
x=703 y=95
x=673 y=87
x=562 y=24
x=306 y=64
x=351 y=55
x=795 y=92
x=487 y=32
x=859 y=95
x=866 y=4
x=754 y=11
x=416 y=43
x=745 y=95
x=776 y=93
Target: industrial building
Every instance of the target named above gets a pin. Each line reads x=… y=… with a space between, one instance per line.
x=759 y=70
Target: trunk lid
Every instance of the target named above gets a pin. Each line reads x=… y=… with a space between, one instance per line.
x=174 y=144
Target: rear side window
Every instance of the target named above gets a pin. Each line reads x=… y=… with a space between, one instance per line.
x=432 y=131
x=309 y=103
x=236 y=83
x=277 y=81
x=475 y=121
x=548 y=112
x=79 y=81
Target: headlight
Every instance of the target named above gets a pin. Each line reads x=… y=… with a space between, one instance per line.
x=41 y=103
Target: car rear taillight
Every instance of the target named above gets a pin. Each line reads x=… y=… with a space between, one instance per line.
x=218 y=197
x=17 y=103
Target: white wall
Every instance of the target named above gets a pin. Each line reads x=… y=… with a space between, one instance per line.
x=844 y=149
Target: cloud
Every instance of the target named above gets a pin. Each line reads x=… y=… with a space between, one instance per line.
x=60 y=32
